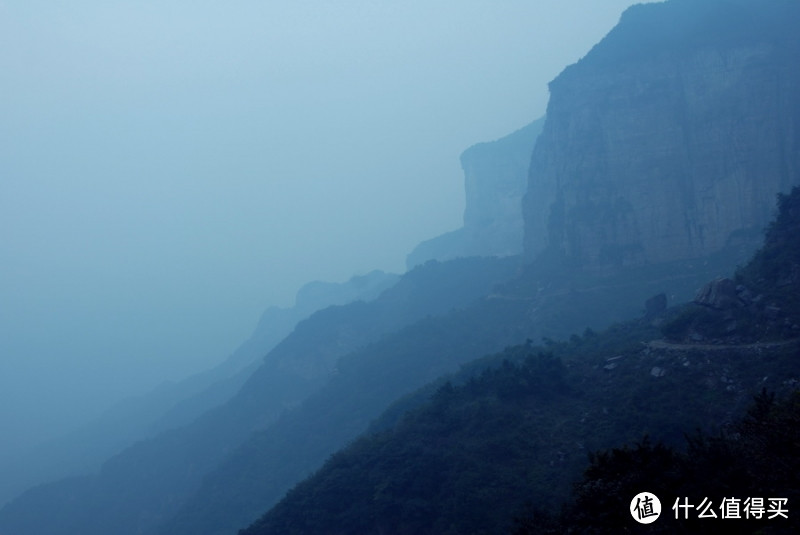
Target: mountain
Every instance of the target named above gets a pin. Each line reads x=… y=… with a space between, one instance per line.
x=597 y=243
x=495 y=179
x=174 y=404
x=515 y=428
x=138 y=489
x=274 y=325
x=367 y=381
x=610 y=213
x=671 y=137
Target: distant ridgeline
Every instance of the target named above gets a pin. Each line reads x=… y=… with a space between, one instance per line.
x=506 y=437
x=173 y=405
x=656 y=170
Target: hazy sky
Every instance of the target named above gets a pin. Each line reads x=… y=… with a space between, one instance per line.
x=170 y=168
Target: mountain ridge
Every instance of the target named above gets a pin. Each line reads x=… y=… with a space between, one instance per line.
x=592 y=258
x=516 y=428
x=670 y=138
x=177 y=403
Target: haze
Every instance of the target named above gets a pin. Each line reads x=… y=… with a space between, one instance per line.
x=170 y=169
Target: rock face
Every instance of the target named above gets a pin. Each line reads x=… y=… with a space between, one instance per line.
x=495 y=179
x=719 y=294
x=672 y=137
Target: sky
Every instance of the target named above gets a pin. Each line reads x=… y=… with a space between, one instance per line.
x=168 y=170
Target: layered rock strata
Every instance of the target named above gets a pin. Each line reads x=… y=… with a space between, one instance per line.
x=671 y=138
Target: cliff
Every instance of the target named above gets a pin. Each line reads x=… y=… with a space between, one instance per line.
x=670 y=139
x=495 y=179
x=465 y=454
x=666 y=143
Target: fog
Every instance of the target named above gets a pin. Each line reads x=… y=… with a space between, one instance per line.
x=170 y=169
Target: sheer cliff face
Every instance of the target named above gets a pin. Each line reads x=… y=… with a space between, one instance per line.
x=495 y=179
x=671 y=138
x=494 y=182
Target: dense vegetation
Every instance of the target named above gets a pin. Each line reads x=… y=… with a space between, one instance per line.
x=366 y=382
x=759 y=457
x=517 y=428
x=774 y=271
x=471 y=458
x=432 y=457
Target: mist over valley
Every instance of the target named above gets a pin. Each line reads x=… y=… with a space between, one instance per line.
x=248 y=288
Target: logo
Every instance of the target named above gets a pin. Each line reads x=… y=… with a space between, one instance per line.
x=645 y=507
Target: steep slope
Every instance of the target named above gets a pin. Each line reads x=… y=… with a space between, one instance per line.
x=495 y=179
x=344 y=366
x=172 y=405
x=515 y=428
x=145 y=484
x=273 y=326
x=473 y=457
x=733 y=473
x=671 y=137
x=365 y=382
x=593 y=246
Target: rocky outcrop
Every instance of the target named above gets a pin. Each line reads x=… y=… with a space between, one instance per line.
x=719 y=294
x=495 y=179
x=672 y=137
